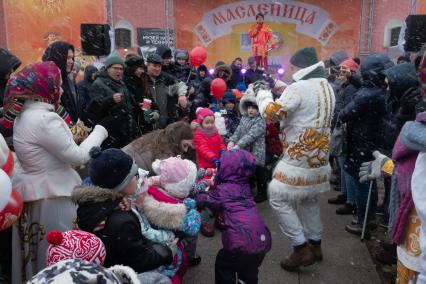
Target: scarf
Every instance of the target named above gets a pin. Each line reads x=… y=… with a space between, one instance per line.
x=37 y=82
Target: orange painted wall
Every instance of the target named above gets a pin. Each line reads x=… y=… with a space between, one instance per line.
x=33 y=24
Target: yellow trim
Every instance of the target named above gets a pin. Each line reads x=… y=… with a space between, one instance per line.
x=388 y=167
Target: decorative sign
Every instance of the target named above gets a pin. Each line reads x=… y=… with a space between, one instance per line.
x=309 y=19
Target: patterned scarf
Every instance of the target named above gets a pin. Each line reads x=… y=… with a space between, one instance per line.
x=37 y=82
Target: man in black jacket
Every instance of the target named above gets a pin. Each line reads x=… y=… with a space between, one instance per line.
x=164 y=91
x=83 y=90
x=113 y=106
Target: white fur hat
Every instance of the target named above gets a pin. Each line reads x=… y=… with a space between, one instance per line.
x=176 y=175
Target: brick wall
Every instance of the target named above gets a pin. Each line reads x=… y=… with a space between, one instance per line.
x=385 y=11
x=147 y=13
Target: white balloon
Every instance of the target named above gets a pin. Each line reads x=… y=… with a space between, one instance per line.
x=5 y=189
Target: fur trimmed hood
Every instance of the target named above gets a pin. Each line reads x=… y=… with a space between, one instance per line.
x=246 y=100
x=92 y=193
x=162 y=214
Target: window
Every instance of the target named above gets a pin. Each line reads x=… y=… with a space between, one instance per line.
x=123 y=38
x=394 y=35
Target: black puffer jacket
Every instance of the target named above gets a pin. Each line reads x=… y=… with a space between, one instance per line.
x=344 y=96
x=120 y=231
x=403 y=83
x=365 y=112
x=58 y=53
x=118 y=118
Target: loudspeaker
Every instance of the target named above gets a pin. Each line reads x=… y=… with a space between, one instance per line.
x=415 y=33
x=95 y=39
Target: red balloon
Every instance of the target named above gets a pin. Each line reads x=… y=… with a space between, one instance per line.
x=12 y=211
x=218 y=88
x=197 y=56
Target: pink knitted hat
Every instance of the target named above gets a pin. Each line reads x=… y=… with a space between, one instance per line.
x=74 y=244
x=349 y=63
x=202 y=113
x=176 y=175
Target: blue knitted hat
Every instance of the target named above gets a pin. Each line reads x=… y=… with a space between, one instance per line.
x=111 y=168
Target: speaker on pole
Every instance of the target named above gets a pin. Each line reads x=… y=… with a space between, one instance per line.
x=95 y=39
x=415 y=33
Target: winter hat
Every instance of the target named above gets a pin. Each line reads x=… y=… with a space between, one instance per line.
x=304 y=57
x=111 y=168
x=248 y=100
x=81 y=271
x=154 y=58
x=176 y=175
x=202 y=113
x=229 y=97
x=251 y=60
x=220 y=64
x=202 y=68
x=74 y=244
x=134 y=60
x=113 y=59
x=6 y=157
x=349 y=63
x=164 y=51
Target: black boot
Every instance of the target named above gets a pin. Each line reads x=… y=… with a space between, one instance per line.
x=339 y=199
x=346 y=209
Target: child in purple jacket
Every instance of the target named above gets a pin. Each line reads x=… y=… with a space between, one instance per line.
x=245 y=238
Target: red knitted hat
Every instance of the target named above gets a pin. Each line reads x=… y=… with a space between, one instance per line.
x=74 y=244
x=349 y=63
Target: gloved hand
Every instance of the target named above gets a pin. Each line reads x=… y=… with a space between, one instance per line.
x=173 y=246
x=182 y=89
x=216 y=162
x=373 y=169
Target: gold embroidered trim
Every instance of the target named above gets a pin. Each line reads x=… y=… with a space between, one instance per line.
x=318 y=108
x=274 y=111
x=313 y=145
x=327 y=113
x=300 y=181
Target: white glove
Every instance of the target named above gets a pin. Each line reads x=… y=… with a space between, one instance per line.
x=373 y=169
x=173 y=246
x=182 y=89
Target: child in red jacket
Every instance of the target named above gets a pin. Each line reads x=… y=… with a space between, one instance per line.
x=209 y=147
x=207 y=141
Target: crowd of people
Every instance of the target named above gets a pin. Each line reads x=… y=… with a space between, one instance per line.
x=121 y=171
